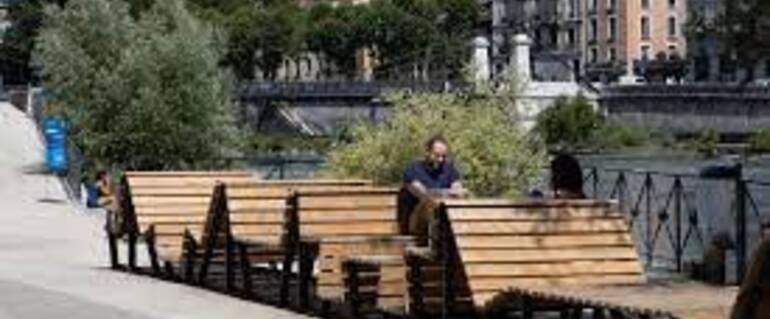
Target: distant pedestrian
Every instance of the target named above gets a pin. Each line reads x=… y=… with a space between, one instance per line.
x=567 y=177
x=105 y=190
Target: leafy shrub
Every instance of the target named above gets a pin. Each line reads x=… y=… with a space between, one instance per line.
x=706 y=143
x=760 y=141
x=614 y=136
x=145 y=94
x=495 y=155
x=570 y=121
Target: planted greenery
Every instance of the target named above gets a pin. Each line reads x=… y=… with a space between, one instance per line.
x=145 y=94
x=492 y=150
x=707 y=143
x=760 y=141
x=571 y=121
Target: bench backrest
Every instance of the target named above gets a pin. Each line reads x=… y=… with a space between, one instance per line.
x=346 y=213
x=172 y=203
x=498 y=244
x=258 y=211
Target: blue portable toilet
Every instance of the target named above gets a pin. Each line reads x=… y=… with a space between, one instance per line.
x=55 y=131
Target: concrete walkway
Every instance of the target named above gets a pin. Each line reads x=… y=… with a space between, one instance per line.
x=53 y=258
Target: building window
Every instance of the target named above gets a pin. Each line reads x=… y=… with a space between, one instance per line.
x=593 y=30
x=646 y=4
x=672 y=50
x=645 y=53
x=593 y=55
x=645 y=28
x=574 y=8
x=672 y=27
x=571 y=39
x=592 y=4
x=612 y=5
x=672 y=4
x=612 y=29
x=613 y=54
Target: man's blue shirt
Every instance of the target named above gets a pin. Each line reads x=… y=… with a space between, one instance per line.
x=441 y=177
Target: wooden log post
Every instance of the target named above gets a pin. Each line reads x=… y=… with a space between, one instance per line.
x=213 y=226
x=190 y=248
x=290 y=240
x=416 y=289
x=151 y=250
x=352 y=284
x=307 y=254
x=245 y=271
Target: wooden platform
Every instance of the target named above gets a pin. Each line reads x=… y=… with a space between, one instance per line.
x=655 y=300
x=345 y=223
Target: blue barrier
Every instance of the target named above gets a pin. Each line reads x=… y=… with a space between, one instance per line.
x=55 y=131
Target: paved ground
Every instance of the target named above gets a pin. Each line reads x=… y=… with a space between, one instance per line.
x=53 y=256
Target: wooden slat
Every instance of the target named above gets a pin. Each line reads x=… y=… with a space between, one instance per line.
x=162 y=182
x=356 y=229
x=185 y=173
x=245 y=205
x=542 y=255
x=553 y=241
x=491 y=284
x=141 y=201
x=386 y=213
x=498 y=203
x=352 y=201
x=560 y=269
x=190 y=209
x=172 y=219
x=555 y=227
x=530 y=214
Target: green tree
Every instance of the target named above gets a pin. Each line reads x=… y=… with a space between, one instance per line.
x=569 y=122
x=339 y=34
x=17 y=43
x=140 y=95
x=744 y=27
x=496 y=155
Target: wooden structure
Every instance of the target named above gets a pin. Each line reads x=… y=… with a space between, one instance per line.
x=167 y=210
x=336 y=224
x=497 y=258
x=253 y=223
x=341 y=242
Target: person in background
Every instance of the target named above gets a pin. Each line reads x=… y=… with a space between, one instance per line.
x=105 y=190
x=566 y=177
x=435 y=176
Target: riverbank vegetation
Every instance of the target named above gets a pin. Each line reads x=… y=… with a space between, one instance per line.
x=490 y=145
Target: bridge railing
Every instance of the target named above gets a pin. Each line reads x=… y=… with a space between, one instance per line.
x=341 y=88
x=678 y=217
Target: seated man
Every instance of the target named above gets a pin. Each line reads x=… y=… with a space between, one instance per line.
x=424 y=180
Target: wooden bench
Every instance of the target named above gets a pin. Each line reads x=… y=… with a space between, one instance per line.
x=336 y=224
x=484 y=247
x=253 y=226
x=167 y=209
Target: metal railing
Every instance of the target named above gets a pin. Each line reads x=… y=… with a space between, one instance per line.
x=340 y=88
x=675 y=216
